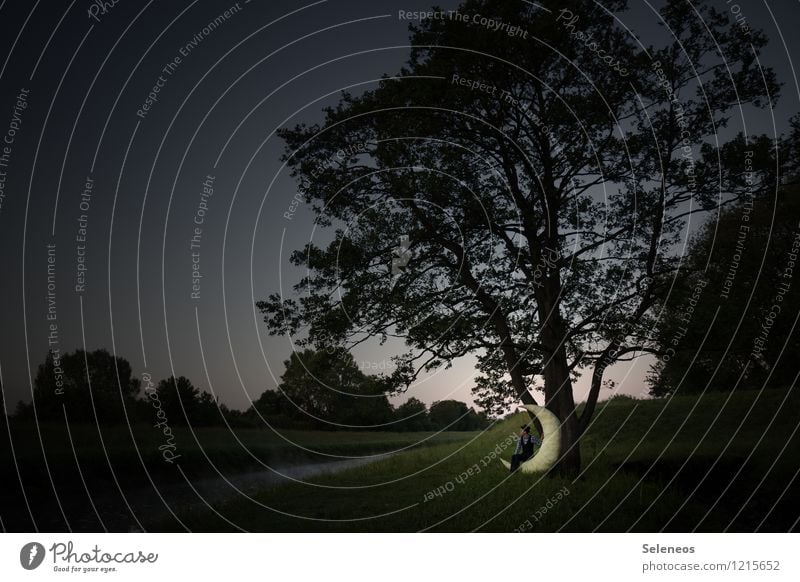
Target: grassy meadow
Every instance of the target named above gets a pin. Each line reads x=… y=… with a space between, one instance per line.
x=723 y=461
x=83 y=463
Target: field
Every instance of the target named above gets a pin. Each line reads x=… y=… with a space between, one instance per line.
x=89 y=467
x=722 y=462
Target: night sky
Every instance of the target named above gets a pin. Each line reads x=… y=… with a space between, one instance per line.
x=143 y=153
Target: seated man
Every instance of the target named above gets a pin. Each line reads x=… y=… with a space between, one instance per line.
x=524 y=450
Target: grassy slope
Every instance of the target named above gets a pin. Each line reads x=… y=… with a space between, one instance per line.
x=678 y=464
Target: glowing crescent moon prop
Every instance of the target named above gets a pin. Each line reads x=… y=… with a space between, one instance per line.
x=550 y=450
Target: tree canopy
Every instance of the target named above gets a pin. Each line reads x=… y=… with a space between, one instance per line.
x=454 y=415
x=730 y=323
x=83 y=386
x=183 y=403
x=326 y=389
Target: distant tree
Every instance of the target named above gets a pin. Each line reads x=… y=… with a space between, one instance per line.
x=182 y=402
x=237 y=418
x=731 y=321
x=477 y=420
x=274 y=408
x=209 y=411
x=24 y=410
x=327 y=389
x=271 y=403
x=412 y=416
x=90 y=386
x=455 y=415
x=369 y=404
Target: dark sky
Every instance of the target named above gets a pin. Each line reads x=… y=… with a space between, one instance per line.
x=265 y=65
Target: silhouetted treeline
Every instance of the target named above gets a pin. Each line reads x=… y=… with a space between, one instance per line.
x=319 y=390
x=275 y=408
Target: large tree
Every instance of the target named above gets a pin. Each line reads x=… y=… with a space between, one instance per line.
x=521 y=197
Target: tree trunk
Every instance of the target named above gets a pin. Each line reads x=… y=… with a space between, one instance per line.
x=559 y=400
x=518 y=380
x=558 y=384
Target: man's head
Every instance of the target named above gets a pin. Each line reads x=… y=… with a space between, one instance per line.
x=526 y=429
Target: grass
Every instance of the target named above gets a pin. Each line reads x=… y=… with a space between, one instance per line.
x=711 y=463
x=237 y=449
x=131 y=457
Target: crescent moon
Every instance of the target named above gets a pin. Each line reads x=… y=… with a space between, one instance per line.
x=550 y=450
